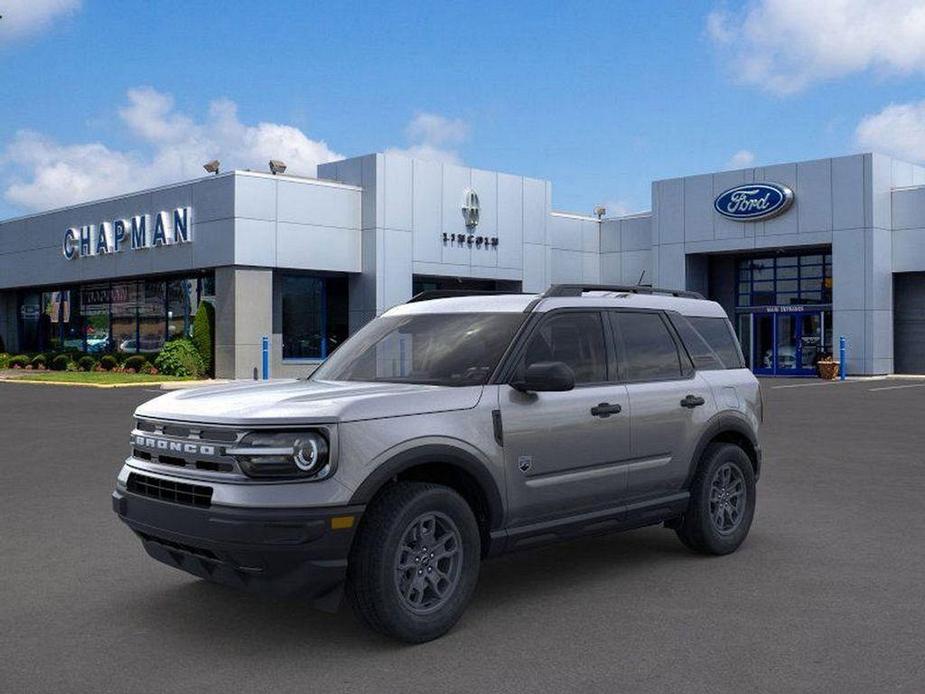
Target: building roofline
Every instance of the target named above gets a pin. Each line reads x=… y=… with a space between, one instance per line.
x=167 y=186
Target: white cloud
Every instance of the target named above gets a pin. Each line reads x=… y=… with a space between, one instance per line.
x=25 y=17
x=43 y=173
x=785 y=45
x=741 y=159
x=434 y=137
x=899 y=129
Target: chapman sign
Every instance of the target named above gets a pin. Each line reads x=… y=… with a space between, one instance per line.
x=754 y=202
x=141 y=231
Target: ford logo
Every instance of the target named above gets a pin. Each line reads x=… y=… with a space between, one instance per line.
x=754 y=202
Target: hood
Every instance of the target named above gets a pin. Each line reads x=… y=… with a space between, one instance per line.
x=306 y=402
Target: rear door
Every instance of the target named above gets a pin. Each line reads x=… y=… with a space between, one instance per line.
x=564 y=451
x=669 y=402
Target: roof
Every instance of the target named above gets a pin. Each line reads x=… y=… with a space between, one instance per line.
x=518 y=303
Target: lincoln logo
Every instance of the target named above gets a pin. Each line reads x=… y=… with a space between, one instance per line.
x=470 y=208
x=754 y=202
x=172 y=446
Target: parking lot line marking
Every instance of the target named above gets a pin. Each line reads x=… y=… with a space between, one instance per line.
x=907 y=385
x=805 y=385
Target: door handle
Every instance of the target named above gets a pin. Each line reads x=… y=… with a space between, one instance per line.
x=605 y=409
x=692 y=401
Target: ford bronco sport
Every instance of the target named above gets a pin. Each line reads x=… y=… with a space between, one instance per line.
x=448 y=430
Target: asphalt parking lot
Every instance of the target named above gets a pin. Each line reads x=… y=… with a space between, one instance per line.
x=827 y=594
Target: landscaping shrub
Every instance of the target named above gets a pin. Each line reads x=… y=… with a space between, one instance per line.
x=179 y=358
x=108 y=362
x=60 y=363
x=39 y=361
x=136 y=362
x=87 y=363
x=203 y=335
x=4 y=360
x=20 y=361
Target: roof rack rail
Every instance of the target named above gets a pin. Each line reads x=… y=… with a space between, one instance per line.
x=579 y=289
x=429 y=294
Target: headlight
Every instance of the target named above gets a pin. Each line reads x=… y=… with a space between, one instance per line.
x=284 y=454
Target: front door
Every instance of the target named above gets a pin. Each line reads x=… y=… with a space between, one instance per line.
x=565 y=452
x=787 y=344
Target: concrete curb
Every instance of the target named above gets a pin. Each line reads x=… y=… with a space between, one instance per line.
x=99 y=385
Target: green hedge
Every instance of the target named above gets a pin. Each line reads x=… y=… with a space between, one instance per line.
x=179 y=358
x=87 y=363
x=20 y=360
x=136 y=362
x=4 y=360
x=204 y=336
x=109 y=362
x=60 y=363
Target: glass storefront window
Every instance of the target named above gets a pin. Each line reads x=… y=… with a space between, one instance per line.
x=785 y=280
x=128 y=316
x=151 y=330
x=314 y=315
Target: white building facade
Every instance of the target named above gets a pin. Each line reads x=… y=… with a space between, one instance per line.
x=306 y=262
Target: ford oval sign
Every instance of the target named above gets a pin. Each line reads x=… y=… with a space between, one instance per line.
x=754 y=202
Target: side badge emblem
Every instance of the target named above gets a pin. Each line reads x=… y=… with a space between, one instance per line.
x=525 y=462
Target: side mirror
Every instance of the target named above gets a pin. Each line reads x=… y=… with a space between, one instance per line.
x=546 y=376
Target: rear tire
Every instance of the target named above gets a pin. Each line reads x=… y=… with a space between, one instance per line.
x=722 y=501
x=415 y=562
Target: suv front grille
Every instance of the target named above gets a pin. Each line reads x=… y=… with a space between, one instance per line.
x=193 y=447
x=168 y=490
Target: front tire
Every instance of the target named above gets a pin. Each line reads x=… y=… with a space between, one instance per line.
x=722 y=501
x=415 y=562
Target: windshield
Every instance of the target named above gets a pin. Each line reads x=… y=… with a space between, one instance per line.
x=445 y=349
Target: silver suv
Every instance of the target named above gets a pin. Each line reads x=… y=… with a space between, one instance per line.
x=448 y=430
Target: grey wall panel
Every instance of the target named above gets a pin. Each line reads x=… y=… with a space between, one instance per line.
x=849 y=260
x=591 y=236
x=848 y=192
x=485 y=183
x=510 y=221
x=255 y=197
x=534 y=272
x=611 y=268
x=669 y=203
x=428 y=211
x=213 y=198
x=455 y=180
x=698 y=208
x=590 y=267
x=396 y=268
x=397 y=192
x=313 y=247
x=908 y=208
x=564 y=232
x=637 y=267
x=880 y=190
x=637 y=233
x=213 y=243
x=564 y=266
x=611 y=235
x=255 y=243
x=909 y=250
x=671 y=267
x=814 y=196
x=851 y=324
x=318 y=204
x=536 y=210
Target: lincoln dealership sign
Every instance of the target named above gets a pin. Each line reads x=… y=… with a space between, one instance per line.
x=166 y=228
x=754 y=202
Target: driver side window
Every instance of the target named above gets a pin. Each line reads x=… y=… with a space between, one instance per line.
x=574 y=338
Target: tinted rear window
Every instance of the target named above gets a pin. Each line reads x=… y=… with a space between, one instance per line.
x=710 y=342
x=648 y=351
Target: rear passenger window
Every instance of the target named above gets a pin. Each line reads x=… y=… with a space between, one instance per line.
x=702 y=354
x=718 y=334
x=649 y=352
x=575 y=339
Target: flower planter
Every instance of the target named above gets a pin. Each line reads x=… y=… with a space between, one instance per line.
x=828 y=370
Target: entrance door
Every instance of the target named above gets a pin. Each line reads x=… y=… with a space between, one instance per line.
x=787 y=344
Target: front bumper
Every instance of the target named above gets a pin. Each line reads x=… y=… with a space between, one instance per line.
x=280 y=552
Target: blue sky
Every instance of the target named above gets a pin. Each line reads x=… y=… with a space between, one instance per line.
x=598 y=97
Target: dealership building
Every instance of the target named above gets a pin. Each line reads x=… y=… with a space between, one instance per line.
x=798 y=254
